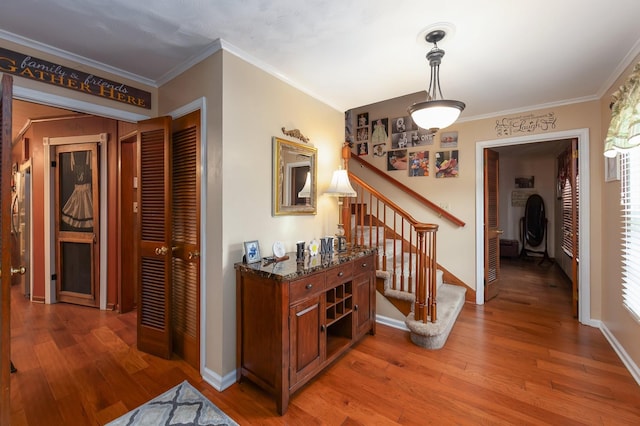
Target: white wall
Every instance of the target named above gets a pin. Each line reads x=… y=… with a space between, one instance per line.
x=542 y=168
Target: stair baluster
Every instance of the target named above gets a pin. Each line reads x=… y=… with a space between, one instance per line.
x=401 y=240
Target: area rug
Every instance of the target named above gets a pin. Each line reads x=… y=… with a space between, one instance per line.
x=180 y=406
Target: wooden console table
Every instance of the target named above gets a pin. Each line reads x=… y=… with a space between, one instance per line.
x=294 y=319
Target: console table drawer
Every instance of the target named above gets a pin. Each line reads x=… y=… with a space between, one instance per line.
x=306 y=287
x=363 y=265
x=339 y=274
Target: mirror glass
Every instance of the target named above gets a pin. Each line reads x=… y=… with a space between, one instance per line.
x=293 y=164
x=534 y=220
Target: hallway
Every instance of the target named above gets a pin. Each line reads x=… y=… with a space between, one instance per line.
x=520 y=359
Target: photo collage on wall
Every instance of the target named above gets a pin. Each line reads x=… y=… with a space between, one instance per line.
x=362 y=134
x=404 y=143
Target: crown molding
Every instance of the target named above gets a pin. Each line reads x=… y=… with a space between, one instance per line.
x=530 y=108
x=14 y=38
x=209 y=50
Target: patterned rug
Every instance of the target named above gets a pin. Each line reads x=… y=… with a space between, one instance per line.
x=180 y=406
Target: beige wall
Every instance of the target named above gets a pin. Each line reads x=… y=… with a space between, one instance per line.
x=456 y=245
x=246 y=107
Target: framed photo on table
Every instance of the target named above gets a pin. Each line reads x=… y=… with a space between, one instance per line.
x=252 y=252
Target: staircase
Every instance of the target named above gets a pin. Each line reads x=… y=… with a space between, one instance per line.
x=396 y=265
x=406 y=268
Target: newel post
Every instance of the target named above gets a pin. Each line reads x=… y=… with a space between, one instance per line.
x=346 y=203
x=426 y=285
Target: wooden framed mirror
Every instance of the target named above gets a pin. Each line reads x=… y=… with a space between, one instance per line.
x=294 y=164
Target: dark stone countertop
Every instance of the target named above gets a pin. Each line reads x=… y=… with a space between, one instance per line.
x=290 y=269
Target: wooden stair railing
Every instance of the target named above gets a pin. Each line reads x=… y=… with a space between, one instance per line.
x=373 y=219
x=439 y=210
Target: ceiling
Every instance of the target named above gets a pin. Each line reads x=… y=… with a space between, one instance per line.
x=502 y=56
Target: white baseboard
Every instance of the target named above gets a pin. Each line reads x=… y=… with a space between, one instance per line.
x=624 y=357
x=219 y=382
x=391 y=322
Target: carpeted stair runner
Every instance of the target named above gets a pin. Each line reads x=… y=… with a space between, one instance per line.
x=450 y=298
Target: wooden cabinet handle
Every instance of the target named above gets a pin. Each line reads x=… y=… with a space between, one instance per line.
x=323 y=328
x=364 y=265
x=340 y=273
x=308 y=286
x=355 y=307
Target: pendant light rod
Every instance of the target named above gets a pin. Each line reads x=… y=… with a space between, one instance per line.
x=436 y=112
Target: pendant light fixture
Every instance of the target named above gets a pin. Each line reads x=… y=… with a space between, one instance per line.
x=435 y=113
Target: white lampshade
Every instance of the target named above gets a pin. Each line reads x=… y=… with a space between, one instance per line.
x=305 y=192
x=340 y=185
x=436 y=115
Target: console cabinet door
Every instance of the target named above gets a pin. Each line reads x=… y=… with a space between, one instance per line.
x=307 y=340
x=364 y=297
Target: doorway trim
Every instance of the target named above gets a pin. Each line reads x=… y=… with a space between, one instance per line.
x=584 y=286
x=49 y=145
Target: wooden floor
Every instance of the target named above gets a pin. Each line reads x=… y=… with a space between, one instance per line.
x=520 y=359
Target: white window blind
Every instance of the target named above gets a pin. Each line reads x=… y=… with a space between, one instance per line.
x=567 y=217
x=630 y=199
x=567 y=235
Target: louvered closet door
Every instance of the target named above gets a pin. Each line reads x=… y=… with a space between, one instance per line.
x=492 y=230
x=6 y=98
x=154 y=203
x=186 y=238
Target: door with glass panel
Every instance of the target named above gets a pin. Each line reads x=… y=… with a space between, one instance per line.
x=77 y=224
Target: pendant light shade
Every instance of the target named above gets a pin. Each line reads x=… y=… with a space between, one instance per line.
x=435 y=114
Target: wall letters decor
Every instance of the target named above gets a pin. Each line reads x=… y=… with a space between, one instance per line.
x=525 y=124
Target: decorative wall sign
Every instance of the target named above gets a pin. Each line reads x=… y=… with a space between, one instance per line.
x=362 y=132
x=379 y=150
x=419 y=163
x=348 y=126
x=363 y=148
x=525 y=124
x=519 y=197
x=449 y=140
x=48 y=72
x=397 y=160
x=380 y=132
x=525 y=181
x=447 y=164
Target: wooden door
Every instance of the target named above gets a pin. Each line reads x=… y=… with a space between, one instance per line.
x=185 y=226
x=364 y=297
x=77 y=224
x=128 y=289
x=492 y=231
x=306 y=338
x=6 y=97
x=155 y=249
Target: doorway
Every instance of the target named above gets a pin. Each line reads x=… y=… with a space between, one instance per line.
x=582 y=135
x=21 y=227
x=77 y=220
x=41 y=98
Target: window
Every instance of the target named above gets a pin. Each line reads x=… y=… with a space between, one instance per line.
x=630 y=199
